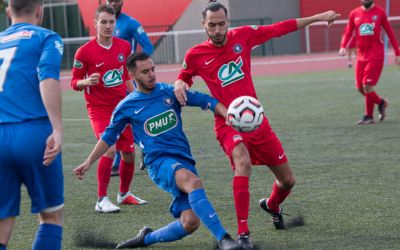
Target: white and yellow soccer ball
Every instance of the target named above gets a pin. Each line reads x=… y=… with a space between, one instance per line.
x=245 y=114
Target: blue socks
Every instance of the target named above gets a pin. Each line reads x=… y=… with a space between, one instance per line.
x=203 y=209
x=48 y=236
x=172 y=232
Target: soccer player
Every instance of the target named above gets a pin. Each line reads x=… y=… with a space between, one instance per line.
x=223 y=61
x=132 y=31
x=154 y=114
x=367 y=21
x=31 y=129
x=99 y=69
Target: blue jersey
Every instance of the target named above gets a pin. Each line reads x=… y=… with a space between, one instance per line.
x=132 y=31
x=28 y=55
x=156 y=121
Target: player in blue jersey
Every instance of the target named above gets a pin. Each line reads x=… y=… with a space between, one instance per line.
x=154 y=114
x=31 y=129
x=132 y=31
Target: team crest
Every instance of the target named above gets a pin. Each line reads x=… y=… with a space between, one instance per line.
x=374 y=17
x=168 y=101
x=237 y=48
x=121 y=57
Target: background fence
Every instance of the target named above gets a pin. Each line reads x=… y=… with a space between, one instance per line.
x=63 y=16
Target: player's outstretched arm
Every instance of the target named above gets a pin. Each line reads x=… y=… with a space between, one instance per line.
x=100 y=148
x=50 y=91
x=328 y=16
x=180 y=88
x=221 y=110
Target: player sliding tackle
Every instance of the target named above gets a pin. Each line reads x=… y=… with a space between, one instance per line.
x=223 y=61
x=154 y=114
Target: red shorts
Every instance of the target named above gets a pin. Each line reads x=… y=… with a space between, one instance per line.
x=263 y=145
x=368 y=72
x=100 y=118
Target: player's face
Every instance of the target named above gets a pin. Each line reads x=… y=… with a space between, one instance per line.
x=367 y=3
x=145 y=75
x=216 y=25
x=116 y=5
x=105 y=25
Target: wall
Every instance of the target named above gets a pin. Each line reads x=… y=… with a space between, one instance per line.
x=310 y=7
x=322 y=39
x=277 y=10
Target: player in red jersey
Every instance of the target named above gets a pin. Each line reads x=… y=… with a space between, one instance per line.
x=99 y=69
x=223 y=61
x=367 y=21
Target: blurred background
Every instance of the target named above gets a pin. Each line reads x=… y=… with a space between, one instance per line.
x=174 y=25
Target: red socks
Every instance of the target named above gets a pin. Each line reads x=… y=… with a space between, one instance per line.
x=241 y=197
x=126 y=171
x=103 y=175
x=277 y=196
x=370 y=100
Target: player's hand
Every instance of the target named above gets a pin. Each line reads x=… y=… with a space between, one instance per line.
x=81 y=169
x=329 y=16
x=180 y=91
x=397 y=60
x=53 y=147
x=342 y=51
x=93 y=79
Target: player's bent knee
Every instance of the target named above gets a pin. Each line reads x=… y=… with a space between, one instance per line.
x=196 y=183
x=289 y=182
x=191 y=224
x=52 y=215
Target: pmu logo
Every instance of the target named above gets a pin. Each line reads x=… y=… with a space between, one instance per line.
x=113 y=77
x=367 y=29
x=161 y=123
x=231 y=72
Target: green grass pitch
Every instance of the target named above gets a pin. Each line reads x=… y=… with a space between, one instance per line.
x=347 y=175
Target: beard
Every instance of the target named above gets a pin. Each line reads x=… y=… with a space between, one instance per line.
x=367 y=5
x=217 y=40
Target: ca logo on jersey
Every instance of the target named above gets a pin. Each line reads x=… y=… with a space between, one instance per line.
x=367 y=29
x=161 y=123
x=231 y=72
x=113 y=77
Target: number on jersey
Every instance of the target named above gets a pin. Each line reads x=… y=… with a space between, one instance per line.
x=6 y=55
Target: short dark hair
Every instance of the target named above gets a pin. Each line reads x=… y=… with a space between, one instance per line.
x=214 y=6
x=23 y=7
x=104 y=8
x=133 y=58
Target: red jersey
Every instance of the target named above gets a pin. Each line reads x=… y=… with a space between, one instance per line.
x=110 y=63
x=226 y=70
x=368 y=25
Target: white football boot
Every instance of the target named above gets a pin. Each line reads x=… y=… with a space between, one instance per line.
x=105 y=206
x=130 y=199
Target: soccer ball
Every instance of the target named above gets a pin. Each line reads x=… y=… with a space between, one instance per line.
x=245 y=114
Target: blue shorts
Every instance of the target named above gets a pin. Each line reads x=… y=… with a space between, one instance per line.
x=22 y=148
x=162 y=173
